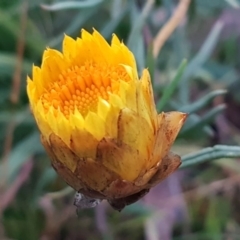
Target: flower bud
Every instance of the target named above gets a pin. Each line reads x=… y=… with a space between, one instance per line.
x=98 y=120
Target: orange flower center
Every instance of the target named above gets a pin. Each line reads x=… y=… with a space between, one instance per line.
x=81 y=86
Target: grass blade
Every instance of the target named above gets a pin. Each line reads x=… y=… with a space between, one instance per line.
x=171 y=88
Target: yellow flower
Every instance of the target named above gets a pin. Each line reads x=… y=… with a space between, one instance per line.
x=98 y=120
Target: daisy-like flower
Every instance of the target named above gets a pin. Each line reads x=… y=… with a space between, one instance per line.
x=98 y=120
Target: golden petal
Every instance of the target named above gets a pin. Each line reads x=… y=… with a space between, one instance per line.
x=31 y=91
x=89 y=48
x=40 y=117
x=116 y=101
x=149 y=97
x=61 y=126
x=142 y=106
x=111 y=122
x=95 y=125
x=69 y=47
x=37 y=80
x=101 y=42
x=103 y=108
x=83 y=143
x=52 y=65
x=115 y=40
x=122 y=55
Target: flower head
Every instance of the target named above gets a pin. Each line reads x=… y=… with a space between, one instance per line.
x=98 y=120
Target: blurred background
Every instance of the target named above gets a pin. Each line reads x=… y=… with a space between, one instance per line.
x=200 y=201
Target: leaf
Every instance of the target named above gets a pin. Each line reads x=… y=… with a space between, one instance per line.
x=70 y=5
x=202 y=102
x=8 y=64
x=209 y=154
x=204 y=120
x=46 y=178
x=218 y=206
x=167 y=93
x=233 y=3
x=135 y=40
x=19 y=155
x=110 y=26
x=202 y=56
x=150 y=63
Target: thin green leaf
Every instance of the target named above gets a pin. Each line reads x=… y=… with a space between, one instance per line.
x=192 y=120
x=8 y=64
x=217 y=207
x=70 y=5
x=203 y=54
x=233 y=3
x=167 y=93
x=204 y=120
x=202 y=102
x=150 y=63
x=138 y=21
x=209 y=154
x=33 y=40
x=21 y=116
x=19 y=155
x=135 y=41
x=110 y=27
x=47 y=177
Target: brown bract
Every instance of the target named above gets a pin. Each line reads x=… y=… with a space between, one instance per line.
x=91 y=178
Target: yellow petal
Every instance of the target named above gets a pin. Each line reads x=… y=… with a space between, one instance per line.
x=142 y=105
x=103 y=108
x=52 y=65
x=111 y=122
x=149 y=97
x=115 y=40
x=61 y=126
x=76 y=120
x=122 y=55
x=116 y=101
x=95 y=125
x=40 y=116
x=83 y=144
x=37 y=76
x=69 y=47
x=101 y=42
